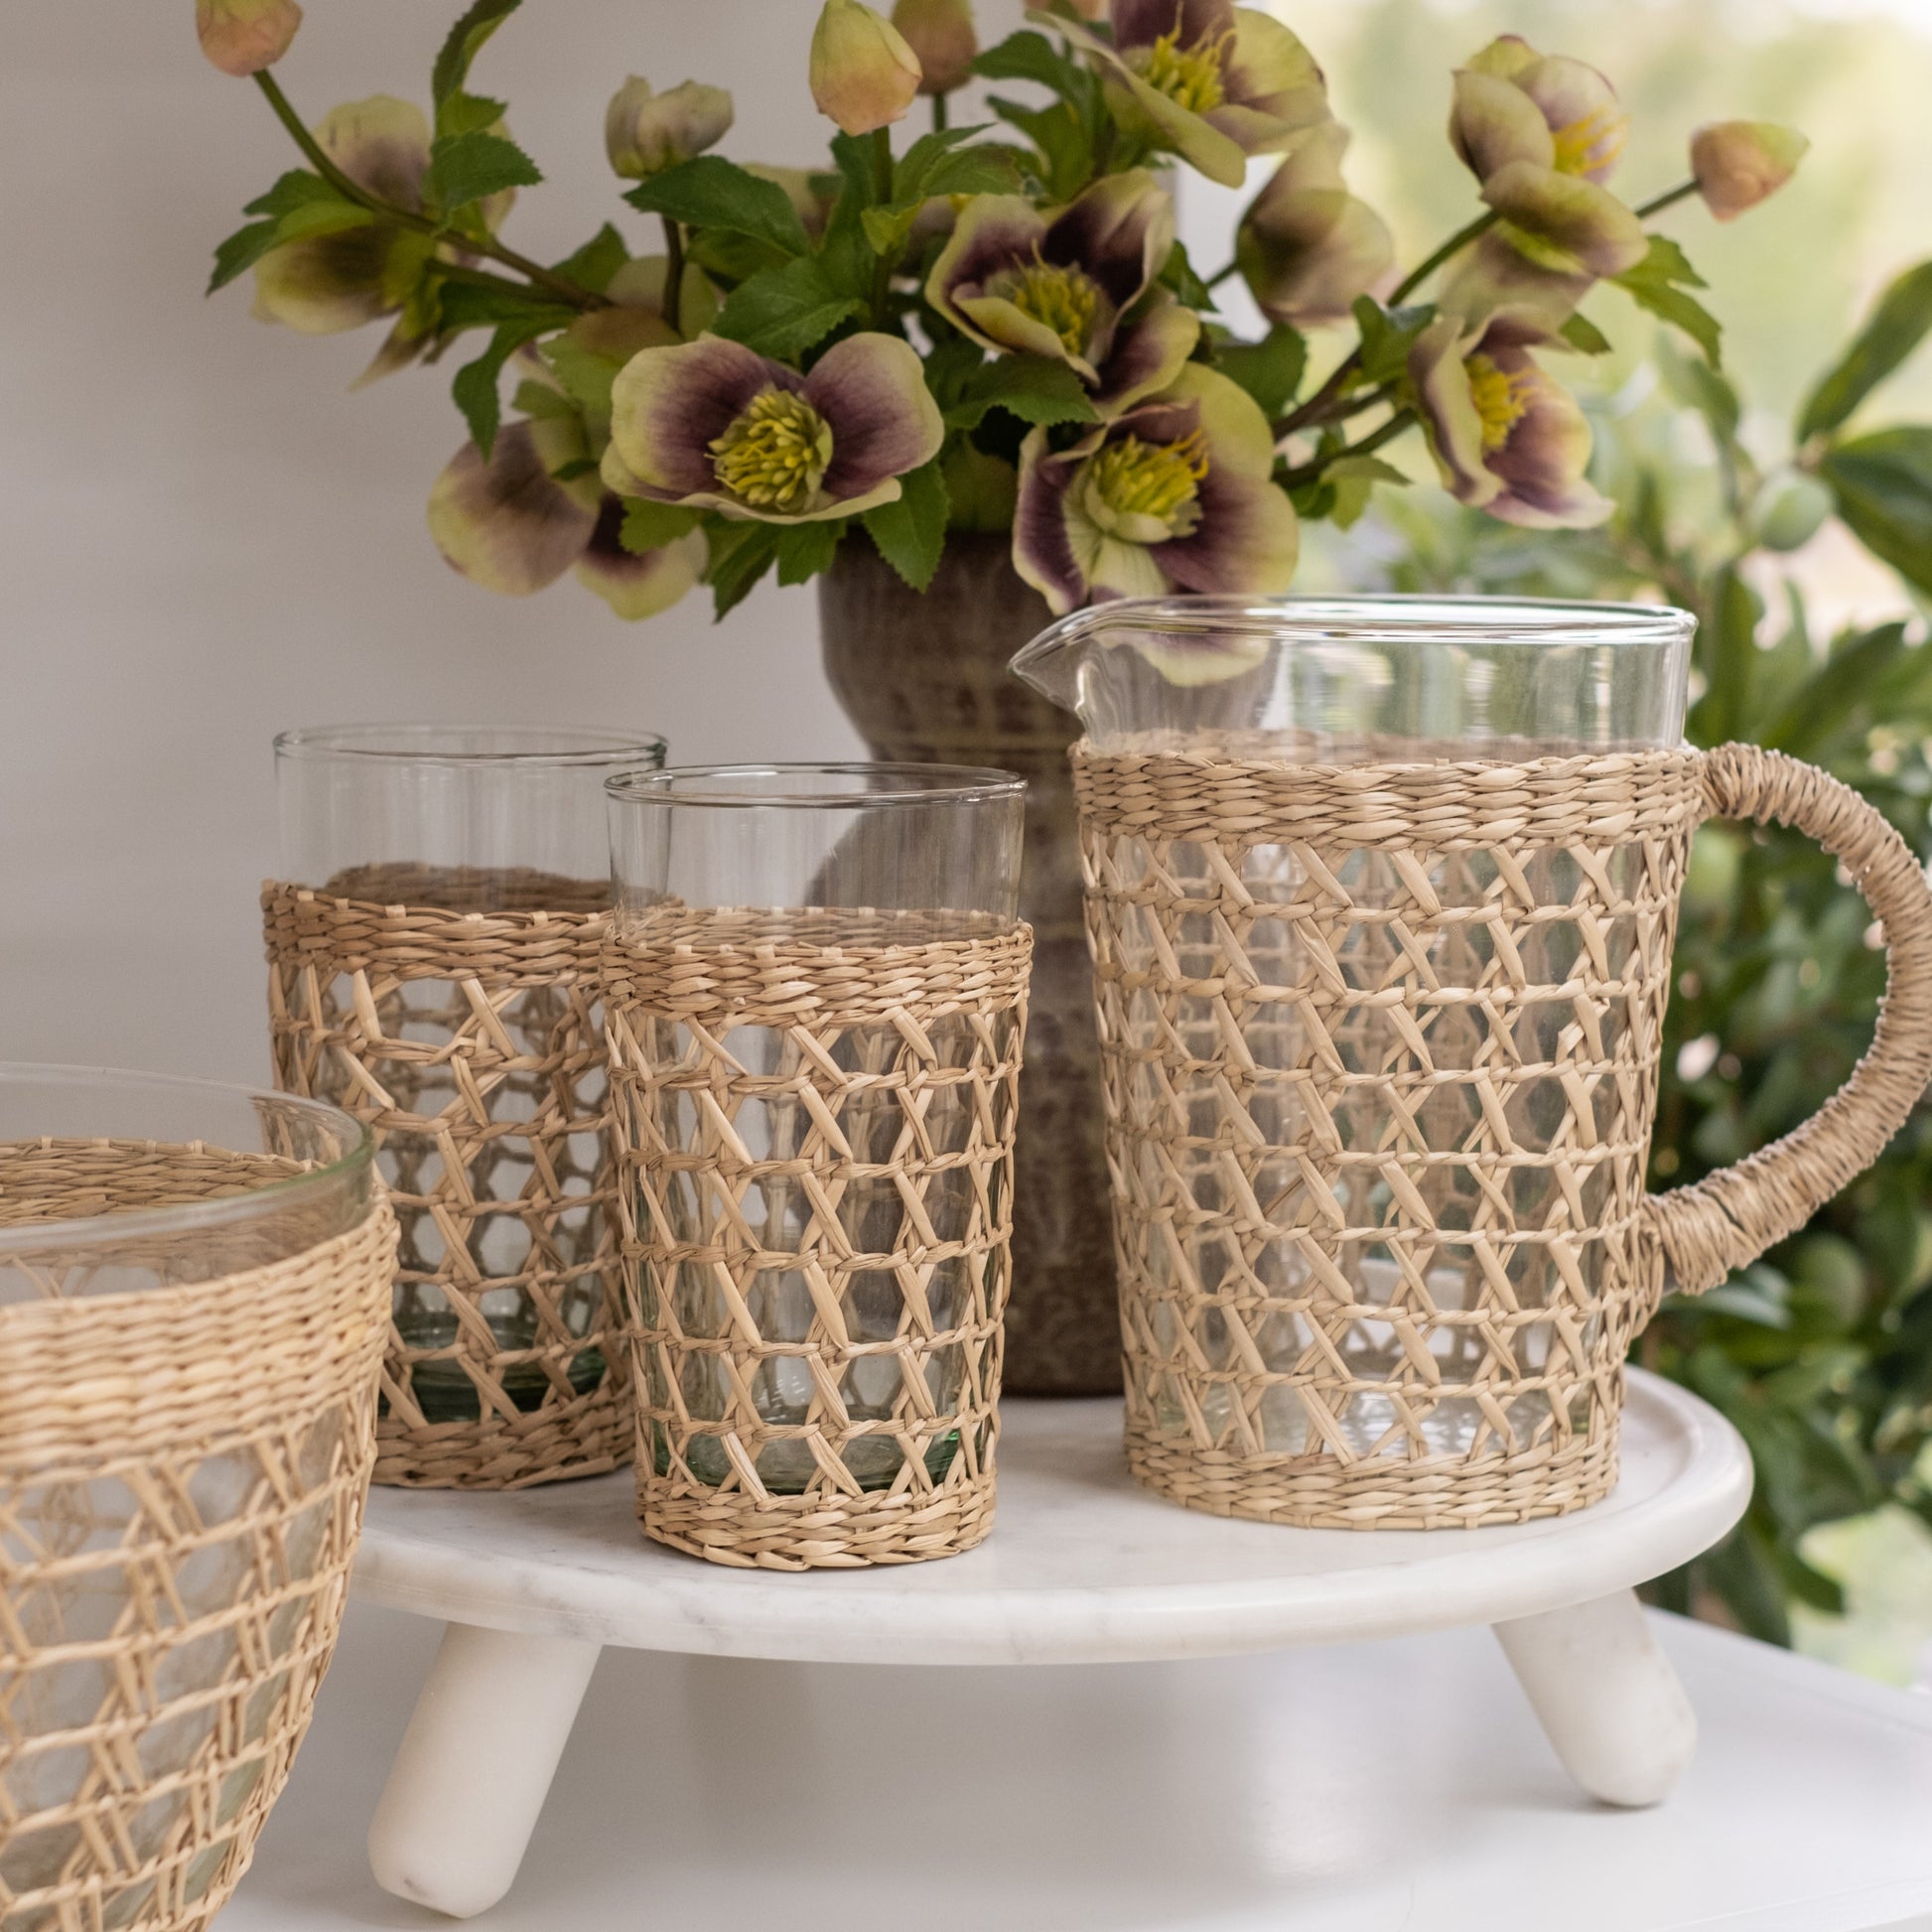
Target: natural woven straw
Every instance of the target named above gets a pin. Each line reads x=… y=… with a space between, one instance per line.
x=1381 y=1048
x=816 y=1216
x=181 y=1477
x=455 y=1012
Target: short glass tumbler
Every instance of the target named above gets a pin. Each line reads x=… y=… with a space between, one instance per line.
x=193 y=1294
x=433 y=942
x=815 y=991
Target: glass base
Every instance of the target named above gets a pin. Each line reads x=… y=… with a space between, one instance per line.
x=444 y=1394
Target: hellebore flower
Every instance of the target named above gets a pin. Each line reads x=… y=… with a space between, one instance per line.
x=1171 y=495
x=332 y=282
x=863 y=74
x=941 y=37
x=1307 y=247
x=1204 y=79
x=646 y=133
x=1540 y=134
x=716 y=425
x=1016 y=279
x=241 y=36
x=510 y=526
x=1738 y=164
x=1507 y=438
x=1495 y=280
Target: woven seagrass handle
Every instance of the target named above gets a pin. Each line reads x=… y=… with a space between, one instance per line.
x=1731 y=1216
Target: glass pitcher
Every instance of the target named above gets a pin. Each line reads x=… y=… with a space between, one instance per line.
x=1381 y=894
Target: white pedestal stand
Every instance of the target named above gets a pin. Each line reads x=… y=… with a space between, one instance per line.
x=1081 y=1568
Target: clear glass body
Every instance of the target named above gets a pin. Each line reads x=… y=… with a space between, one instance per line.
x=1347 y=681
x=118 y=1184
x=1358 y=680
x=866 y=854
x=470 y=820
x=156 y=1217
x=483 y=818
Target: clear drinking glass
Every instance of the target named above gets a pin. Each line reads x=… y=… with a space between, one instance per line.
x=484 y=818
x=148 y=1572
x=1349 y=681
x=869 y=855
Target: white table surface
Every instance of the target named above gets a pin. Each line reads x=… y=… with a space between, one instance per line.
x=1399 y=1786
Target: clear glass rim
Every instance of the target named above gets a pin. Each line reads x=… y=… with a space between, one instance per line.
x=734 y=788
x=1394 y=617
x=440 y=745
x=36 y=1237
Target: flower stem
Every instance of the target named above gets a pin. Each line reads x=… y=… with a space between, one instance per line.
x=1320 y=406
x=1221 y=274
x=673 y=274
x=1455 y=245
x=939 y=113
x=1312 y=472
x=1658 y=202
x=559 y=286
x=882 y=178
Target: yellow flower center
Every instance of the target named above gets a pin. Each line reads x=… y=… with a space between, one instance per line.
x=775 y=454
x=1595 y=140
x=1062 y=298
x=1191 y=76
x=1159 y=479
x=1501 y=397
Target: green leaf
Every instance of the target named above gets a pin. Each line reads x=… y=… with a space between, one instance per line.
x=783 y=312
x=466 y=168
x=986 y=169
x=1065 y=142
x=712 y=192
x=1388 y=335
x=298 y=207
x=468 y=113
x=464 y=306
x=463 y=43
x=1353 y=480
x=593 y=265
x=240 y=253
x=1031 y=387
x=1883 y=485
x=806 y=549
x=649 y=526
x=739 y=555
x=1894 y=329
x=1583 y=336
x=475 y=388
x=1027 y=56
x=1271 y=370
x=582 y=466
x=1178 y=274
x=912 y=533
x=1658 y=282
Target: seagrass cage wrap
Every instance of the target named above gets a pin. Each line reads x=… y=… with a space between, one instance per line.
x=817 y=1114
x=183 y=1471
x=1381 y=1048
x=471 y=1044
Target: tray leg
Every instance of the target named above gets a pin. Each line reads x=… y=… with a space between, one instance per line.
x=1606 y=1696
x=475 y=1767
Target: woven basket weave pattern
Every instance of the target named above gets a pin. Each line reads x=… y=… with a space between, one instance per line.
x=181 y=1477
x=470 y=1043
x=1381 y=1054
x=817 y=1115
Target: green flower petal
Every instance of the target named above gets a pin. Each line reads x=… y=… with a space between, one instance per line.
x=1565 y=222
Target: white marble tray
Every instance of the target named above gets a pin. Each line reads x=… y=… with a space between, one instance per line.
x=1081 y=1568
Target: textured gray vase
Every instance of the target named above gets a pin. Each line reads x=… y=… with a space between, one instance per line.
x=924 y=677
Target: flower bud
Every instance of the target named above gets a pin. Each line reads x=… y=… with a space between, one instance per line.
x=940 y=33
x=241 y=36
x=1738 y=164
x=646 y=133
x=1791 y=510
x=863 y=74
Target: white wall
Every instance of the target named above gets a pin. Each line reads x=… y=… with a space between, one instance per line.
x=203 y=539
